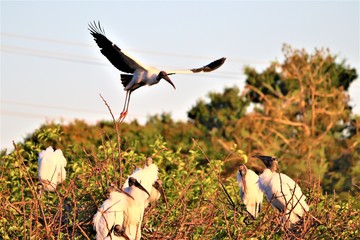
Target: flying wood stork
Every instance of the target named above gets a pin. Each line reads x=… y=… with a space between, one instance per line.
x=282 y=192
x=136 y=74
x=250 y=193
x=51 y=168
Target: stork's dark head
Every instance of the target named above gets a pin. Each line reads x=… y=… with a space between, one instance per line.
x=134 y=182
x=148 y=161
x=158 y=186
x=269 y=161
x=242 y=170
x=119 y=231
x=164 y=75
x=110 y=189
x=39 y=189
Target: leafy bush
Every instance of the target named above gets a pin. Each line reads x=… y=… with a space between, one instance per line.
x=199 y=207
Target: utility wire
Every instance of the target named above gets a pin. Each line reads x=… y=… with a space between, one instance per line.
x=51 y=107
x=42 y=106
x=43 y=39
x=53 y=55
x=30 y=115
x=91 y=60
x=171 y=54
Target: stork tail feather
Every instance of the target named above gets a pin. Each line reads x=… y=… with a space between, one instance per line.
x=125 y=79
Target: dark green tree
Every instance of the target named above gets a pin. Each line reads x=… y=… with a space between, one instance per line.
x=220 y=113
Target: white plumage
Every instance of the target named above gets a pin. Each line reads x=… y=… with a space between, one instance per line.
x=145 y=177
x=112 y=212
x=282 y=192
x=250 y=193
x=123 y=211
x=147 y=173
x=51 y=168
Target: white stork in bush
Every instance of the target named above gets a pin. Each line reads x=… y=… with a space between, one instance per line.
x=120 y=216
x=283 y=193
x=250 y=193
x=112 y=212
x=149 y=170
x=51 y=168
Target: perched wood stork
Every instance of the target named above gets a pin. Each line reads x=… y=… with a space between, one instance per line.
x=157 y=190
x=136 y=209
x=250 y=193
x=114 y=218
x=136 y=74
x=121 y=215
x=111 y=212
x=283 y=193
x=51 y=168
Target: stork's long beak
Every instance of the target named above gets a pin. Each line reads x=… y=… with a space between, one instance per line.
x=158 y=186
x=133 y=181
x=166 y=77
x=264 y=159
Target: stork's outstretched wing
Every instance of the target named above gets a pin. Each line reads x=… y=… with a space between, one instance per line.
x=207 y=68
x=116 y=56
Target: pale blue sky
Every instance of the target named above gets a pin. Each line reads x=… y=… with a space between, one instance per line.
x=51 y=69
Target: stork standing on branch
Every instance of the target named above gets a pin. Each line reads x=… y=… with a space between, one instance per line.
x=135 y=74
x=283 y=193
x=250 y=193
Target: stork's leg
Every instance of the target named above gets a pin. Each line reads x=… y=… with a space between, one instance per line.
x=126 y=106
x=124 y=111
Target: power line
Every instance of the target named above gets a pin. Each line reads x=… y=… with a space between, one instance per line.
x=53 y=55
x=43 y=116
x=28 y=115
x=88 y=60
x=171 y=54
x=43 y=39
x=51 y=107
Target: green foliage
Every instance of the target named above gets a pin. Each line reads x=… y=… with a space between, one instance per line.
x=221 y=112
x=199 y=207
x=301 y=114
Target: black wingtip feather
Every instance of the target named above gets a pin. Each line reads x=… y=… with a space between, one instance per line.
x=95 y=28
x=98 y=34
x=210 y=67
x=214 y=65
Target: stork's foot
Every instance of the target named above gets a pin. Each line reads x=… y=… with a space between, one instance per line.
x=122 y=116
